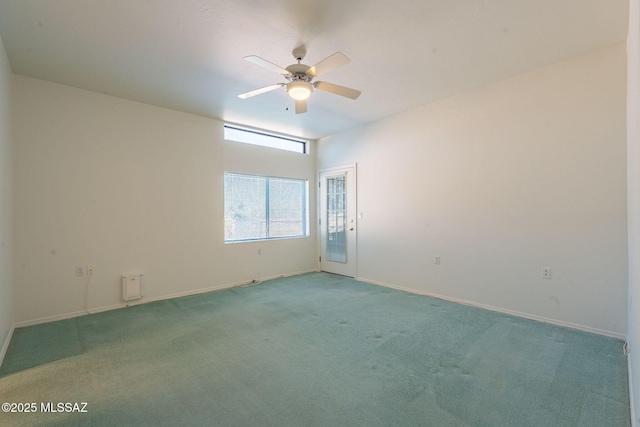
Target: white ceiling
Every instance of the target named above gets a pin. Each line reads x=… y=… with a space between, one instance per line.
x=187 y=54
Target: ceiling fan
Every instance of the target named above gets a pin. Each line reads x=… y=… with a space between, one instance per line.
x=301 y=77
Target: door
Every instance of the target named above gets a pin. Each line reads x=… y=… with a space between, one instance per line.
x=337 y=222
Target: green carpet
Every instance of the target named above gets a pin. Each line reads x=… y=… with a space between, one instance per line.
x=41 y=344
x=316 y=350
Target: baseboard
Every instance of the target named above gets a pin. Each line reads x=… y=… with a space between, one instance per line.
x=147 y=300
x=49 y=319
x=631 y=399
x=210 y=289
x=5 y=345
x=501 y=310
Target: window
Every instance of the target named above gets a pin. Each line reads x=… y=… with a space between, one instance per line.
x=264 y=207
x=264 y=139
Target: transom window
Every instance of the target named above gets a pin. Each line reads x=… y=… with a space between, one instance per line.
x=248 y=136
x=264 y=207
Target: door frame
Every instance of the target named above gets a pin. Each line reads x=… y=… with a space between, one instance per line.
x=351 y=167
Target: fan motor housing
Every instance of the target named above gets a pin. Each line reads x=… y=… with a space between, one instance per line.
x=298 y=72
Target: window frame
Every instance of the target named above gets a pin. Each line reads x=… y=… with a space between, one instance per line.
x=262 y=138
x=304 y=208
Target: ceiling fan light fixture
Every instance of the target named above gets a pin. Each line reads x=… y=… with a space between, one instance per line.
x=299 y=90
x=301 y=76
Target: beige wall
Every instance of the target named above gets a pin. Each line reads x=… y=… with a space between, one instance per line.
x=6 y=204
x=130 y=187
x=500 y=182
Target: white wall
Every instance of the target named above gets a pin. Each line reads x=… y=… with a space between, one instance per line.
x=633 y=170
x=6 y=204
x=500 y=182
x=130 y=187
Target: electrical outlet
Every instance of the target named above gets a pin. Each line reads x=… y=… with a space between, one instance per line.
x=546 y=272
x=437 y=260
x=80 y=270
x=90 y=270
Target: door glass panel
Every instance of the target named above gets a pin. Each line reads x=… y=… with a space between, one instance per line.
x=336 y=222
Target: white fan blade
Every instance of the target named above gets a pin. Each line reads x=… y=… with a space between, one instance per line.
x=337 y=89
x=261 y=90
x=266 y=64
x=301 y=106
x=329 y=63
